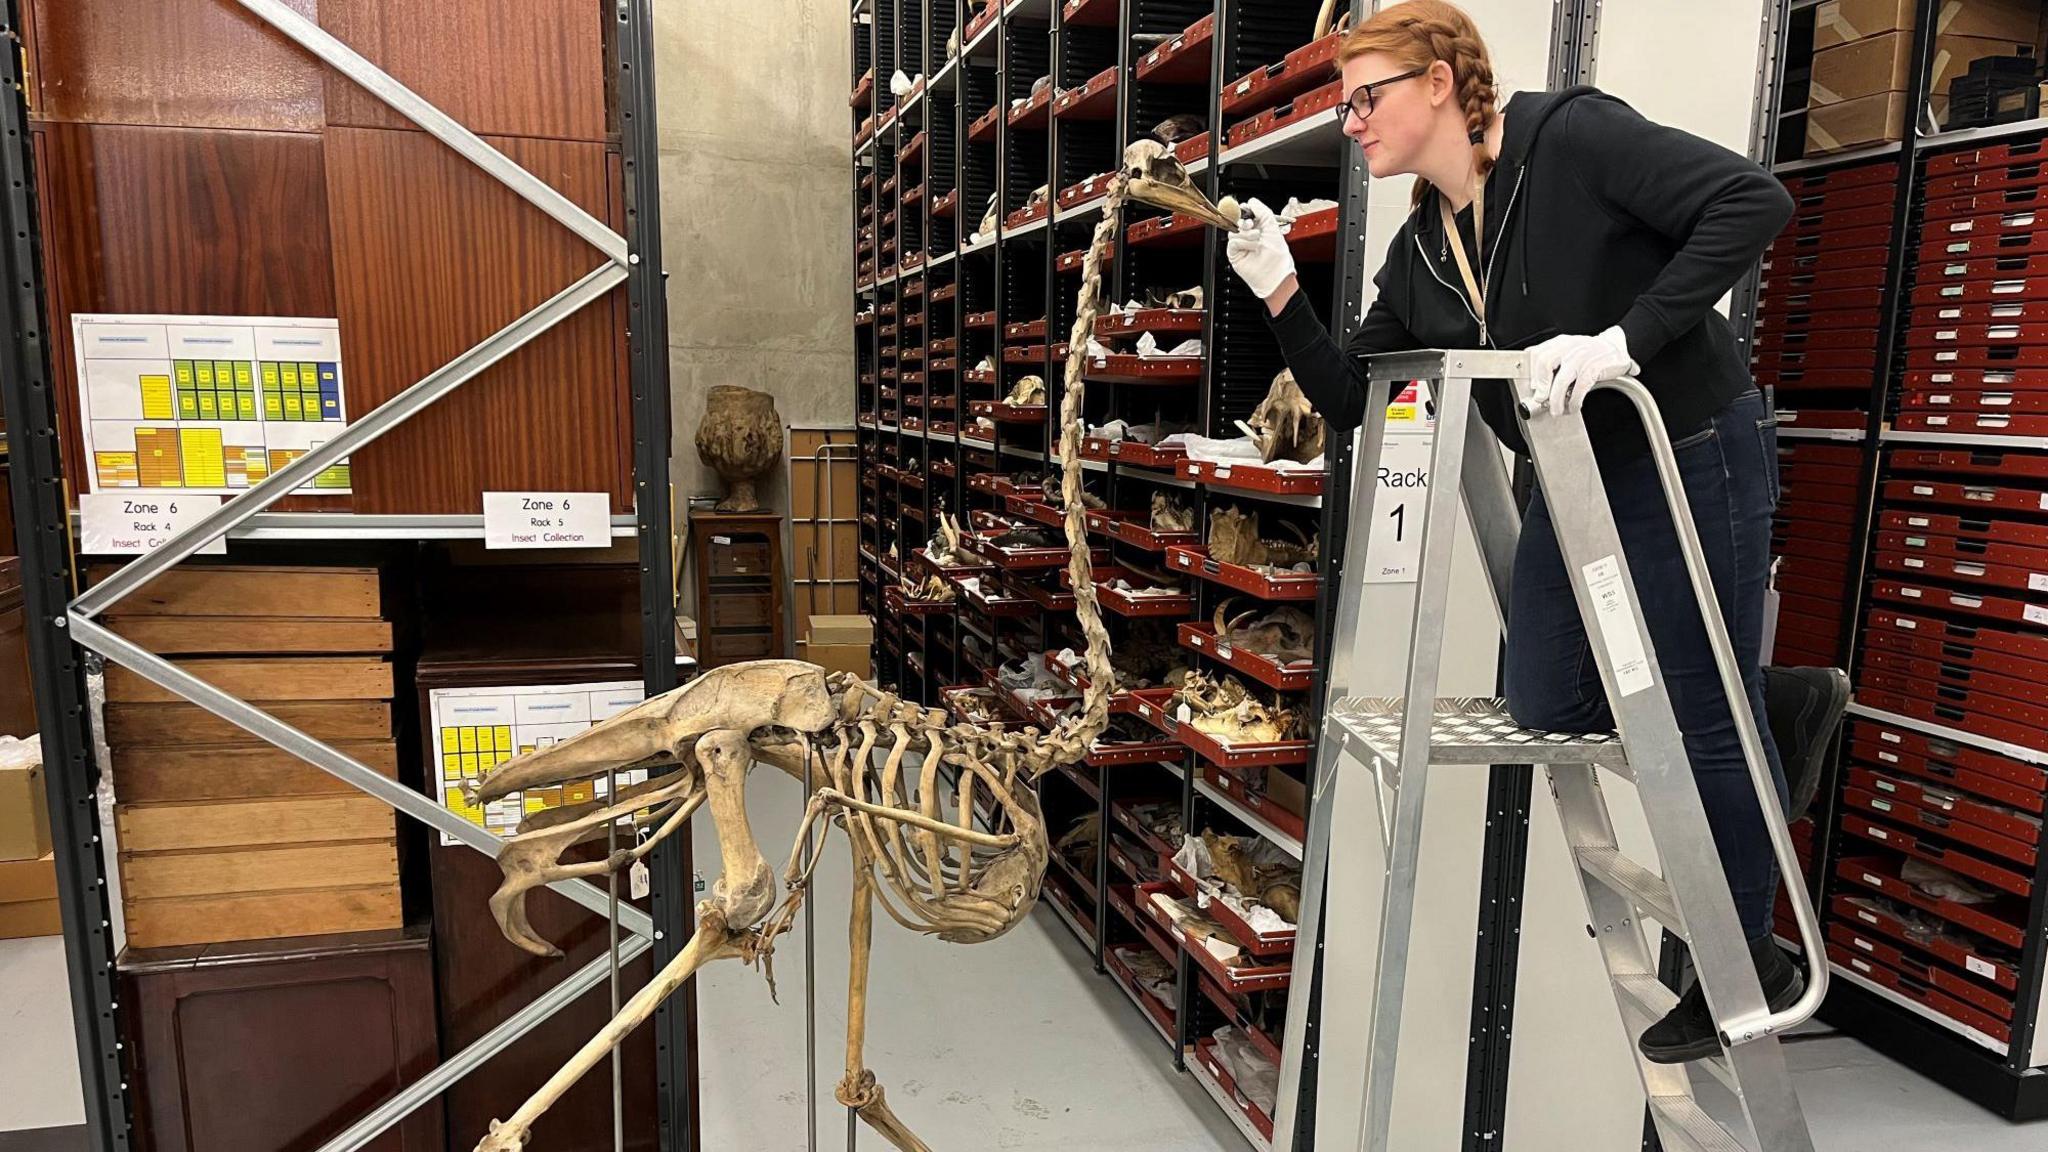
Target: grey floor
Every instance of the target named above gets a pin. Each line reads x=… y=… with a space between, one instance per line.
x=1014 y=1044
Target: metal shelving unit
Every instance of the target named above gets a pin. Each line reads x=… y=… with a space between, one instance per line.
x=60 y=629
x=2011 y=1078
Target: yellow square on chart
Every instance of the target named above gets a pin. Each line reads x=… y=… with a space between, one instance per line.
x=451 y=765
x=535 y=804
x=579 y=793
x=504 y=734
x=469 y=765
x=468 y=739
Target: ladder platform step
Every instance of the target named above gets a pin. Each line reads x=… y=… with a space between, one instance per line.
x=1682 y=1117
x=1471 y=730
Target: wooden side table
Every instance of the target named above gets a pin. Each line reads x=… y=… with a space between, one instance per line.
x=740 y=581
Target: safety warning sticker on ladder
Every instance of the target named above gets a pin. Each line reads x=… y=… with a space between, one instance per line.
x=1620 y=631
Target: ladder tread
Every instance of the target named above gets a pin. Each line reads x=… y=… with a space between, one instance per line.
x=1682 y=1116
x=1640 y=886
x=1471 y=730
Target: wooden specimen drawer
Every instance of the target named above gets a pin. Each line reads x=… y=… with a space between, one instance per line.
x=741 y=610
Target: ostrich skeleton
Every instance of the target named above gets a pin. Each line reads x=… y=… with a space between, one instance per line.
x=930 y=871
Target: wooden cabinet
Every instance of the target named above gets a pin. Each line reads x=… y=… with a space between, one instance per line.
x=481 y=978
x=740 y=582
x=17 y=687
x=280 y=1045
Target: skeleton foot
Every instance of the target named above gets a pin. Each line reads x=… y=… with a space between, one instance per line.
x=864 y=1096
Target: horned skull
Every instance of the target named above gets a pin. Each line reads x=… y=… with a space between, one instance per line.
x=1285 y=424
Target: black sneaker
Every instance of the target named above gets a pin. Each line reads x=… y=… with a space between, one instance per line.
x=1686 y=1032
x=1804 y=707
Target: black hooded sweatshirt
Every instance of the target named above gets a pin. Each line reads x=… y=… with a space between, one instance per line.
x=1595 y=217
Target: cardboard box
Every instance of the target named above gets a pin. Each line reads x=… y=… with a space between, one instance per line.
x=1843 y=21
x=28 y=898
x=845 y=630
x=24 y=813
x=1884 y=63
x=1854 y=123
x=850 y=658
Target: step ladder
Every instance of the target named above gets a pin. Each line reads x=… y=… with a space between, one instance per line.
x=1397 y=747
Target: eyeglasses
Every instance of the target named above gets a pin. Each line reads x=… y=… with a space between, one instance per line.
x=1363 y=96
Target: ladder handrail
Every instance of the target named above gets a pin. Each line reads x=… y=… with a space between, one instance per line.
x=1749 y=1028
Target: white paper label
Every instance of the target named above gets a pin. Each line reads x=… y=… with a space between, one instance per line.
x=2044 y=501
x=1394 y=551
x=1866 y=917
x=1909 y=625
x=132 y=524
x=1620 y=632
x=1980 y=968
x=1859 y=965
x=1866 y=945
x=547 y=519
x=1868 y=878
x=640 y=880
x=2036 y=614
x=2037 y=581
x=1877 y=833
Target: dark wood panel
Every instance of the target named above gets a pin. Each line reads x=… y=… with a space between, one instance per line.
x=188 y=63
x=431 y=256
x=280 y=1045
x=504 y=67
x=17 y=686
x=183 y=221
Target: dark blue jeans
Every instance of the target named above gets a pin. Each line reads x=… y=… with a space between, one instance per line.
x=1730 y=470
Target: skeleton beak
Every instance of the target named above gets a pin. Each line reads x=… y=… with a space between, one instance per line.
x=1156 y=178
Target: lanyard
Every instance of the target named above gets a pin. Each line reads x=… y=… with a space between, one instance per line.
x=1474 y=289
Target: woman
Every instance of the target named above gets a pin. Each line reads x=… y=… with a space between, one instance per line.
x=1604 y=242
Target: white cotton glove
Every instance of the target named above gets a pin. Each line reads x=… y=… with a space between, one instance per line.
x=1563 y=369
x=1258 y=249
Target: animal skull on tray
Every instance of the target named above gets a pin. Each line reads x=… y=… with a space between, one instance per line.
x=915 y=849
x=1285 y=424
x=1027 y=390
x=1234 y=539
x=1284 y=633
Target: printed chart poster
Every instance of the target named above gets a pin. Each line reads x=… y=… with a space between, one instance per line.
x=207 y=404
x=477 y=729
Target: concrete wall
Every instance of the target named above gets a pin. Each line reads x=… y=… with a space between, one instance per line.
x=755 y=165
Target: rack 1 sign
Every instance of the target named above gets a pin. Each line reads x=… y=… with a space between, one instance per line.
x=1394 y=549
x=547 y=520
x=136 y=523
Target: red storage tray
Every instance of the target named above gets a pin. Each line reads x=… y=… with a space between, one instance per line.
x=1183 y=59
x=1145 y=455
x=1876 y=172
x=1964 y=642
x=1029 y=214
x=1813 y=272
x=1918 y=702
x=1254 y=942
x=1151 y=707
x=1776 y=343
x=1799 y=452
x=983 y=130
x=1834 y=300
x=1954 y=685
x=1253 y=978
x=1318 y=102
x=1863 y=913
x=1881 y=875
x=1196 y=559
x=1989 y=499
x=1971 y=534
x=1092 y=188
x=1235 y=1009
x=1158 y=1012
x=1977 y=604
x=1113 y=755
x=1167 y=231
x=1034 y=113
x=1987 y=176
x=1975 y=461
x=2029 y=382
x=1314 y=234
x=1254 y=800
x=1831 y=247
x=1825 y=222
x=1962 y=247
x=1902 y=750
x=1200 y=636
x=1945 y=292
x=1972 y=422
x=1299 y=71
x=1941 y=210
x=2019 y=267
x=1821 y=418
x=1253 y=478
x=1798 y=380
x=1792 y=359
x=1916 y=565
x=1923 y=994
x=1989 y=156
x=1976 y=335
x=1939 y=547
x=1025 y=330
x=1784 y=322
x=1242 y=755
x=1205 y=1053
x=1180 y=321
x=1134 y=369
x=1095 y=100
x=1137 y=607
x=1908 y=963
x=1130 y=528
x=1793 y=469
x=2004 y=832
x=1840 y=197
x=1995 y=312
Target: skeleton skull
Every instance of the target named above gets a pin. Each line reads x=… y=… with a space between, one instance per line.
x=1285 y=425
x=1158 y=179
x=1171 y=514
